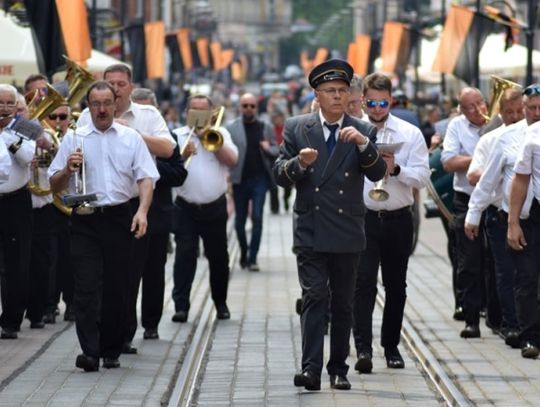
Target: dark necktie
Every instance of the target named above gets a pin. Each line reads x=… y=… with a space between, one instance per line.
x=331 y=140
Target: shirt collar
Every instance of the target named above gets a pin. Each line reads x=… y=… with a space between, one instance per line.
x=323 y=120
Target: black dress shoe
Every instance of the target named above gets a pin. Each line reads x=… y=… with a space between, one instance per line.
x=87 y=363
x=128 y=349
x=529 y=350
x=8 y=333
x=49 y=318
x=180 y=316
x=394 y=359
x=364 y=363
x=223 y=312
x=151 y=333
x=307 y=380
x=37 y=325
x=243 y=260
x=111 y=363
x=470 y=331
x=512 y=338
x=459 y=315
x=69 y=313
x=339 y=382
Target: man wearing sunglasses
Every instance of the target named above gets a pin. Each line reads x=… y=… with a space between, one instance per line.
x=462 y=136
x=326 y=155
x=251 y=176
x=389 y=225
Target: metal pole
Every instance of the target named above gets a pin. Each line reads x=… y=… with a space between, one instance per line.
x=93 y=24
x=123 y=16
x=418 y=51
x=443 y=18
x=530 y=40
x=476 y=67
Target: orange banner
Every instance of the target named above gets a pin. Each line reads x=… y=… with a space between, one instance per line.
x=182 y=37
x=202 y=49
x=154 y=38
x=320 y=56
x=456 y=27
x=358 y=54
x=245 y=65
x=227 y=56
x=75 y=31
x=305 y=62
x=236 y=72
x=395 y=46
x=215 y=49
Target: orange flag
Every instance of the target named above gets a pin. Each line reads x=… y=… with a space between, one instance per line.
x=182 y=37
x=154 y=36
x=215 y=49
x=202 y=49
x=395 y=46
x=227 y=56
x=74 y=24
x=320 y=56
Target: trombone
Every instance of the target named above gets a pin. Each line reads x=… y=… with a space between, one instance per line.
x=211 y=138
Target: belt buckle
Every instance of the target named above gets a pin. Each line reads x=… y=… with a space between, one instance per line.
x=382 y=213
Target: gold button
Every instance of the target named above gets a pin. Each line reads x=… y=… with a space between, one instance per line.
x=341 y=192
x=317 y=189
x=317 y=208
x=293 y=173
x=346 y=174
x=340 y=210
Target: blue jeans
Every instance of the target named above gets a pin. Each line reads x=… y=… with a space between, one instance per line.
x=252 y=189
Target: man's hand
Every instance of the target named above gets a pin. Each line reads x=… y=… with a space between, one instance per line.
x=389 y=159
x=265 y=145
x=471 y=231
x=75 y=161
x=307 y=156
x=189 y=150
x=515 y=238
x=139 y=225
x=350 y=134
x=43 y=143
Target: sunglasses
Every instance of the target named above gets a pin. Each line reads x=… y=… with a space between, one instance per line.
x=374 y=103
x=61 y=116
x=248 y=105
x=531 y=90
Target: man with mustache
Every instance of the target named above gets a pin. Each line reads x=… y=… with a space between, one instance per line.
x=15 y=217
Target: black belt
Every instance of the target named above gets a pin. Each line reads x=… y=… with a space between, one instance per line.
x=182 y=202
x=107 y=209
x=382 y=214
x=4 y=195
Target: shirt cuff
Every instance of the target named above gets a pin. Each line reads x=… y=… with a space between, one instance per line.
x=362 y=147
x=473 y=217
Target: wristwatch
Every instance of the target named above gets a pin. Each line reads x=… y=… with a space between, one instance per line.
x=397 y=170
x=13 y=148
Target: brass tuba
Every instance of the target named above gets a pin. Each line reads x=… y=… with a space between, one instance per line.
x=498 y=87
x=78 y=79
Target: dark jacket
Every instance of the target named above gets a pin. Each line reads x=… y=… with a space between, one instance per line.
x=329 y=208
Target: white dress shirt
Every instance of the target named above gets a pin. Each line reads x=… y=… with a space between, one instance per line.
x=114 y=161
x=19 y=173
x=413 y=159
x=5 y=162
x=460 y=139
x=498 y=174
x=207 y=176
x=528 y=160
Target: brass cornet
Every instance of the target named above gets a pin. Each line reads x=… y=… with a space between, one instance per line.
x=498 y=87
x=378 y=193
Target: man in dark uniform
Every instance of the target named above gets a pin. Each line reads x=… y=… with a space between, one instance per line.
x=326 y=155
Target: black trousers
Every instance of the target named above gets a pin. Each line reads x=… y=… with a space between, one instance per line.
x=61 y=278
x=135 y=266
x=208 y=222
x=15 y=249
x=100 y=249
x=40 y=262
x=322 y=275
x=526 y=278
x=389 y=241
x=153 y=280
x=470 y=258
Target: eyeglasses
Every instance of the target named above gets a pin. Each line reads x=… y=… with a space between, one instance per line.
x=531 y=90
x=61 y=116
x=383 y=103
x=8 y=105
x=107 y=104
x=245 y=106
x=333 y=91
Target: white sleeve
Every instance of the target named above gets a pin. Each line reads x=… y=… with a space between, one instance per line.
x=5 y=162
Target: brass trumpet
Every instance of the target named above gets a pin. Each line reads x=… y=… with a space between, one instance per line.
x=378 y=193
x=498 y=87
x=211 y=138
